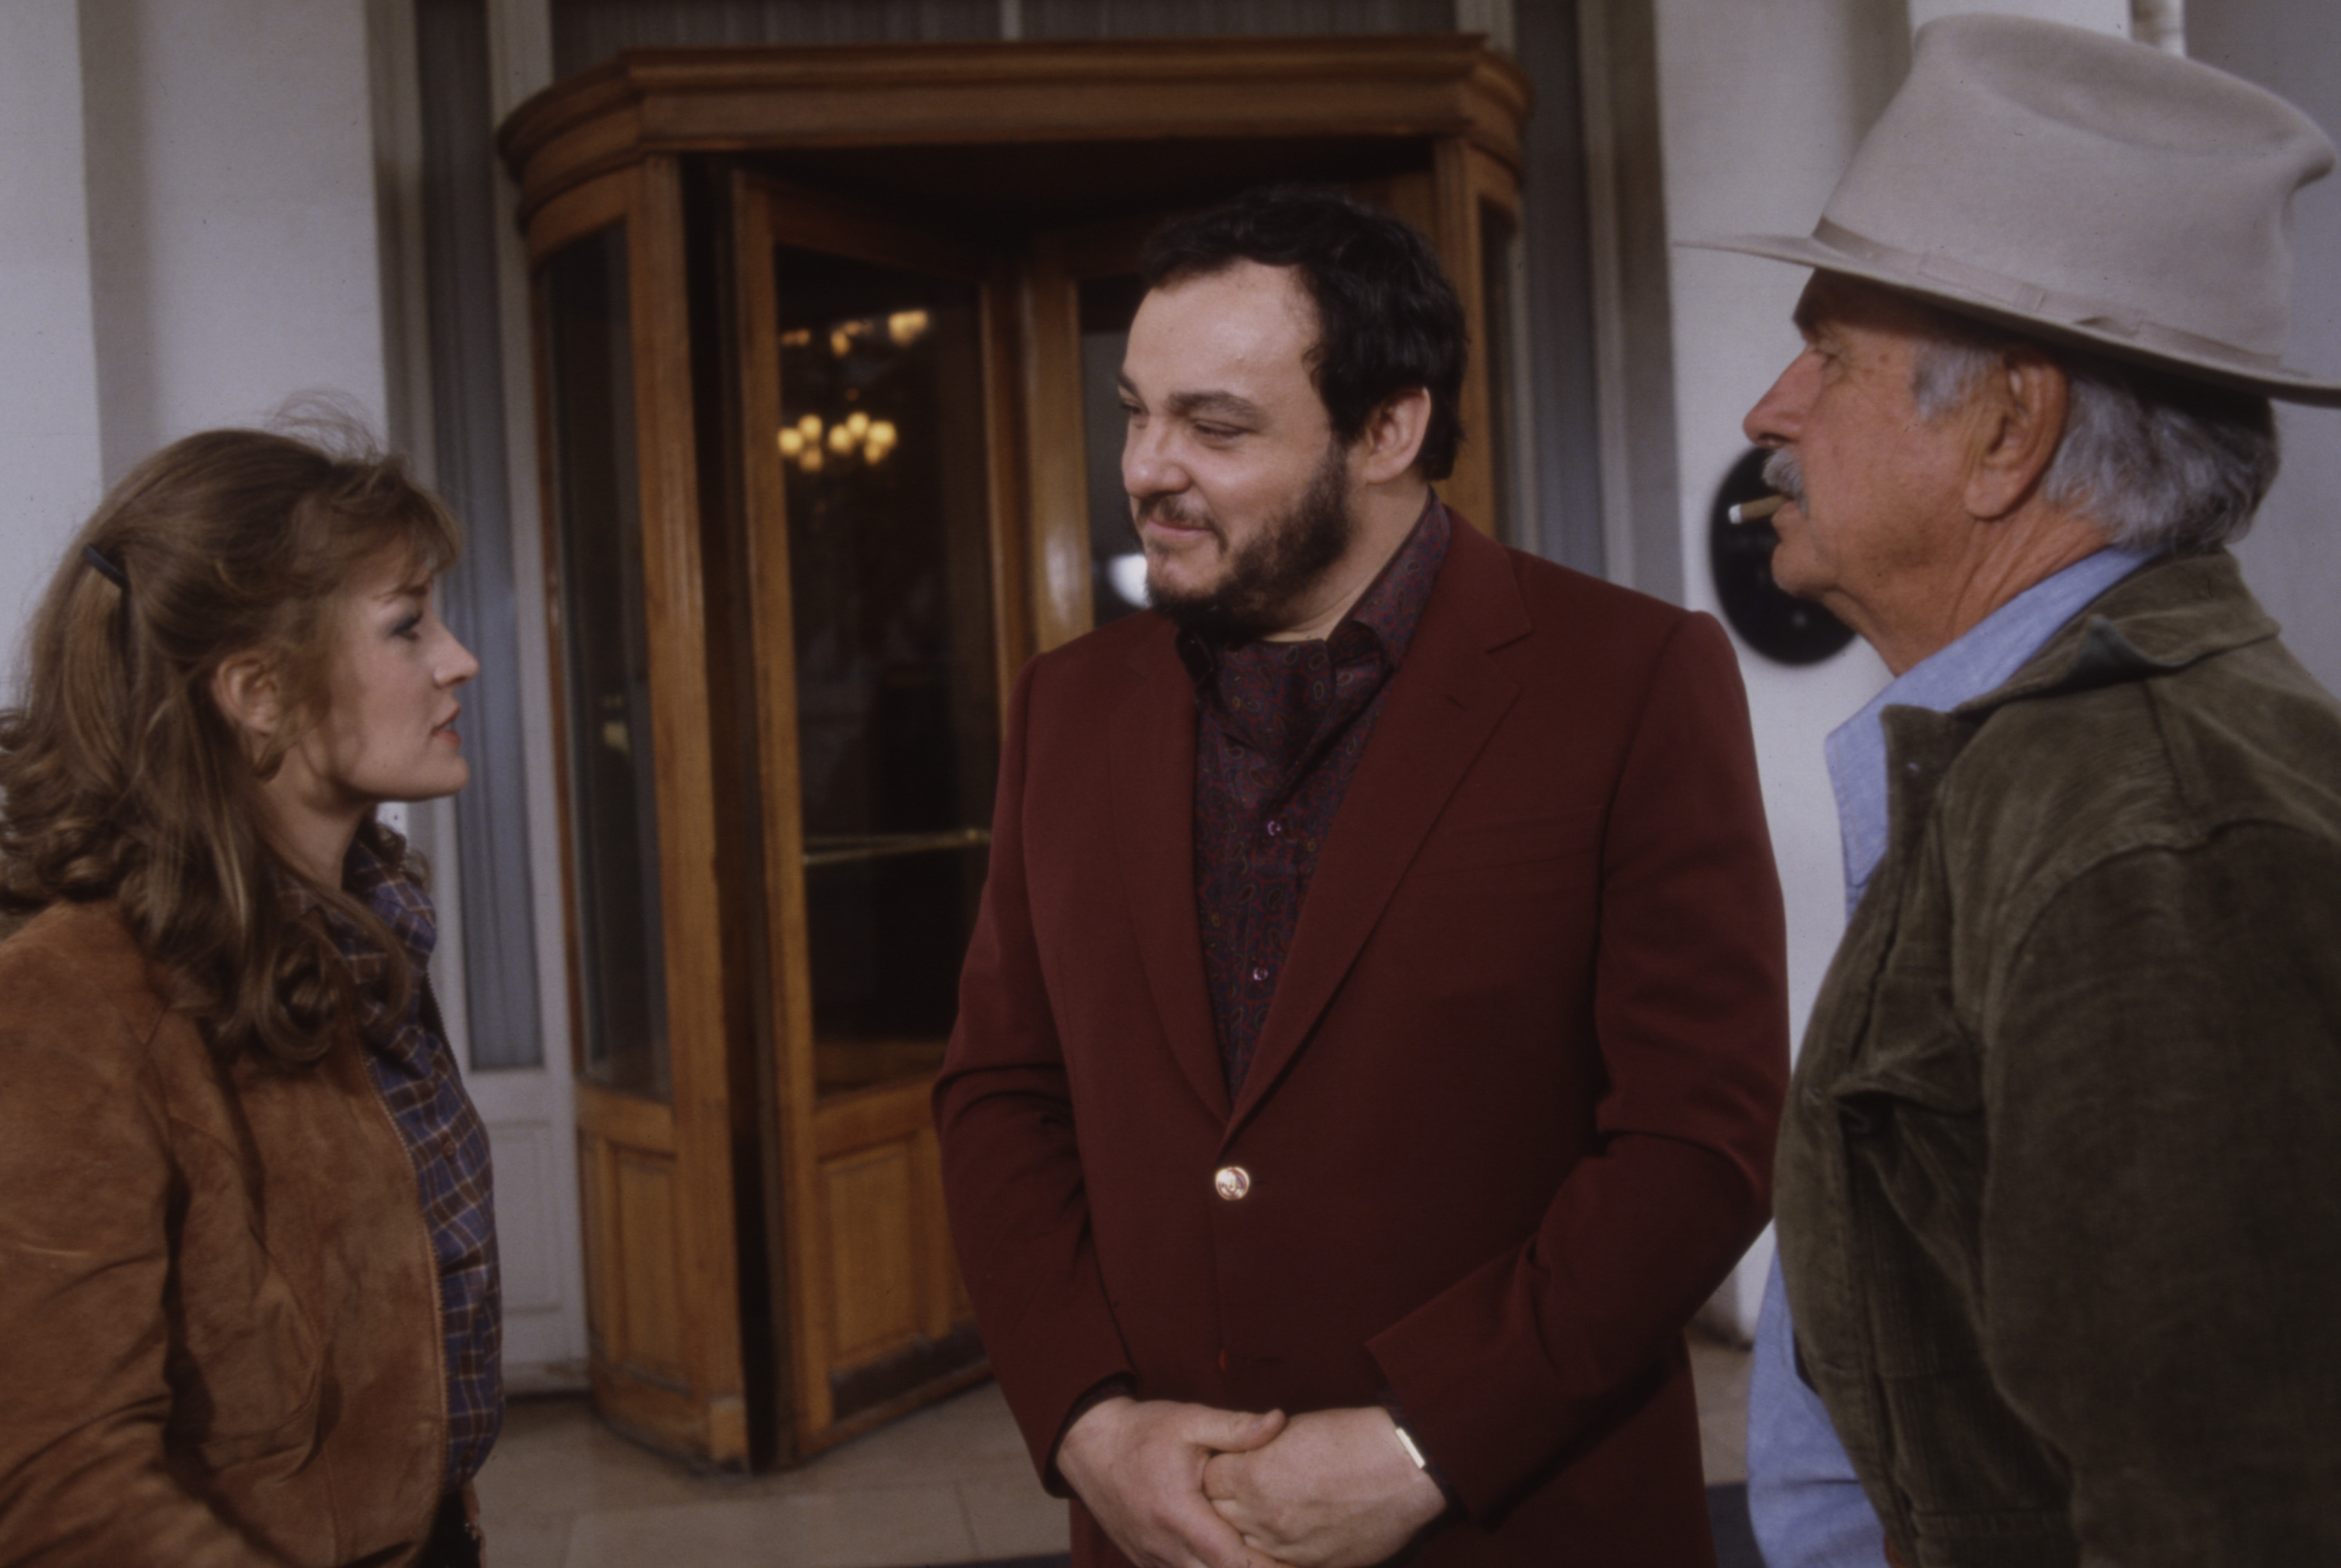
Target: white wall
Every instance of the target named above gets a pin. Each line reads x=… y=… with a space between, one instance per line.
x=1762 y=108
x=187 y=237
x=48 y=396
x=2293 y=555
x=231 y=180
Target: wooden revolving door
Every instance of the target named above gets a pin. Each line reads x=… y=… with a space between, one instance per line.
x=826 y=344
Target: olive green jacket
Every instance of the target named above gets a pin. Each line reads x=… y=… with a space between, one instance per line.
x=2060 y=1183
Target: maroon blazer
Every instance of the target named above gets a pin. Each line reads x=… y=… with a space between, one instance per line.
x=1511 y=1116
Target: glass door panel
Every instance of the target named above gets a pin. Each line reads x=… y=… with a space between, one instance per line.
x=605 y=664
x=882 y=442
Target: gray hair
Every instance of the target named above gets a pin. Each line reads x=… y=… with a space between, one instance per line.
x=2158 y=462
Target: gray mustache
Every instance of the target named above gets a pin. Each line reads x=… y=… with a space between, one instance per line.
x=1784 y=473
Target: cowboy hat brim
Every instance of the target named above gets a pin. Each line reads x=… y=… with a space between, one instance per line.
x=2205 y=363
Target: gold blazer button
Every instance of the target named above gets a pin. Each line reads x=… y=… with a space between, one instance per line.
x=1231 y=1181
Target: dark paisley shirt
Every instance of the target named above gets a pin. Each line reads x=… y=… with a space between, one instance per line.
x=1280 y=729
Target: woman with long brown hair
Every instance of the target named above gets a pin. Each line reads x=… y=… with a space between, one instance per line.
x=248 y=1297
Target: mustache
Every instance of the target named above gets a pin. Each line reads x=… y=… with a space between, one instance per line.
x=1784 y=473
x=1164 y=506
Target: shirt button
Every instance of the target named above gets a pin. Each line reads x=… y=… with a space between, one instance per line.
x=1232 y=1183
x=1274 y=827
x=1260 y=974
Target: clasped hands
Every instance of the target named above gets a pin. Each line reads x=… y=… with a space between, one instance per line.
x=1188 y=1486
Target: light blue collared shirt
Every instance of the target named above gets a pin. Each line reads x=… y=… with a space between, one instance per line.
x=1808 y=1510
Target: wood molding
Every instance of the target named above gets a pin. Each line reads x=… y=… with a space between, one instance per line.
x=1442 y=84
x=1059 y=526
x=698 y=1031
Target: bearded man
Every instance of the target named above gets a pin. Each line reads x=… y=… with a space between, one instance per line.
x=1370 y=1045
x=2060 y=1182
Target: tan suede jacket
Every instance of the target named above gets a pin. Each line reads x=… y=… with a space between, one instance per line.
x=218 y=1313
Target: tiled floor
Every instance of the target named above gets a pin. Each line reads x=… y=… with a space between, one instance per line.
x=948 y=1484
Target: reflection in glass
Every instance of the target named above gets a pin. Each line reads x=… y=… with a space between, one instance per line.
x=1117 y=568
x=890 y=564
x=605 y=664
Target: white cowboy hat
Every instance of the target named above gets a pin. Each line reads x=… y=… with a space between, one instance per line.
x=2081 y=187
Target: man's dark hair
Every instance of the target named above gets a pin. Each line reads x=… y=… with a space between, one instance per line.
x=1388 y=320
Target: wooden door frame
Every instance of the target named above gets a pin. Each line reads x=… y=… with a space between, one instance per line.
x=814 y=1133
x=706 y=1415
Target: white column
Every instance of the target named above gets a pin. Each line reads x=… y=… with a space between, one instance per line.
x=48 y=397
x=1760 y=115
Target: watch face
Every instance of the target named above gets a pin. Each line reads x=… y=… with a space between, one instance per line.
x=1776 y=624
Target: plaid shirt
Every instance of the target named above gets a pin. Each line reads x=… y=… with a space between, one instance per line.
x=1280 y=727
x=414 y=1071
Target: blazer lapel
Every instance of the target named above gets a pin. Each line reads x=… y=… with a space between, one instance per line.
x=1153 y=752
x=1443 y=704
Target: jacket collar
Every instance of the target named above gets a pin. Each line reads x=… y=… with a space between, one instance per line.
x=2164 y=616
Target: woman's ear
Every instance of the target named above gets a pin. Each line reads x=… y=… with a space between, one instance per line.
x=249 y=696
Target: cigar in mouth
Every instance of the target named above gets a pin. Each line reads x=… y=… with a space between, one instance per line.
x=1755 y=510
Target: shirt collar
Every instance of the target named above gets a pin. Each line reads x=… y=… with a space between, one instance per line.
x=1985 y=657
x=1385 y=613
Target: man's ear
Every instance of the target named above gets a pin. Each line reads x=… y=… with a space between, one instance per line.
x=1392 y=438
x=2020 y=419
x=249 y=696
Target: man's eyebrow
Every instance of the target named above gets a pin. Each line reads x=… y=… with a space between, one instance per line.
x=1220 y=404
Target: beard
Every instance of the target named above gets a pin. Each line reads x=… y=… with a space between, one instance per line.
x=1264 y=577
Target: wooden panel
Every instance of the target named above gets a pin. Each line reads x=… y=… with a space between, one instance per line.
x=834 y=225
x=1439 y=84
x=1493 y=184
x=597 y=1204
x=756 y=348
x=662 y=1254
x=650 y=1316
x=706 y=1243
x=940 y=1289
x=890 y=1113
x=627 y=1119
x=1060 y=494
x=1005 y=428
x=1471 y=488
x=873 y=1251
x=1414 y=197
x=579 y=212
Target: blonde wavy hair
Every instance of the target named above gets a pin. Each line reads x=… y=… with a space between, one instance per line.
x=119 y=776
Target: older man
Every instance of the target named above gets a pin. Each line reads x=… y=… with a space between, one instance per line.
x=2059 y=1186
x=1371 y=1046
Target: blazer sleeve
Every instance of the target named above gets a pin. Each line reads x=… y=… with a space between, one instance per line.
x=85 y=1262
x=1010 y=1163
x=1502 y=1371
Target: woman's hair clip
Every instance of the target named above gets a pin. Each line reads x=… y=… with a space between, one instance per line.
x=106 y=566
